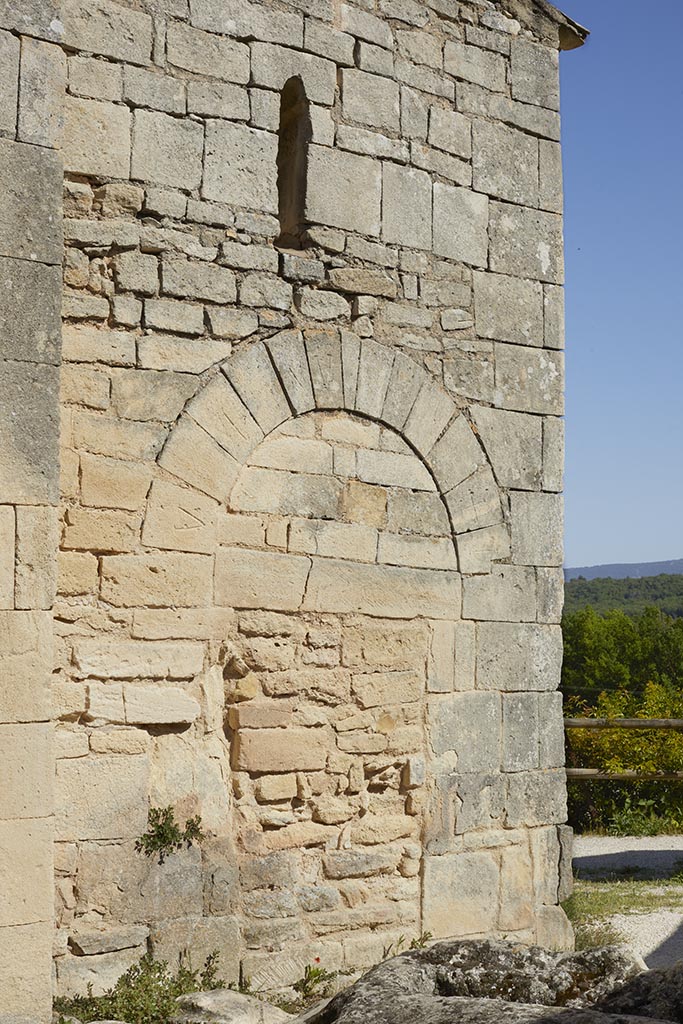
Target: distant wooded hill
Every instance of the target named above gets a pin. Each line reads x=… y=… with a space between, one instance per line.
x=622 y=570
x=632 y=596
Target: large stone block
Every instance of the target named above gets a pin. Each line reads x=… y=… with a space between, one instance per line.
x=535 y=73
x=344 y=190
x=96 y=138
x=537 y=528
x=260 y=579
x=268 y=490
x=39 y=18
x=520 y=732
x=551 y=730
x=166 y=150
x=101 y=797
x=179 y=519
x=506 y=594
x=28 y=459
x=370 y=100
x=481 y=67
x=537 y=798
x=9 y=82
x=460 y=894
x=272 y=66
x=505 y=163
x=207 y=54
x=26 y=648
x=27 y=893
x=516 y=889
x=195 y=280
x=26 y=971
x=30 y=214
x=132 y=659
x=508 y=309
x=514 y=445
x=455 y=720
x=253 y=377
x=529 y=380
x=240 y=166
x=248 y=20
x=526 y=243
x=30 y=301
x=193 y=456
x=456 y=455
x=481 y=801
x=157 y=580
x=26 y=771
x=107 y=28
x=553 y=453
x=518 y=656
x=37 y=541
x=475 y=503
x=461 y=224
x=338 y=586
x=41 y=98
x=280 y=750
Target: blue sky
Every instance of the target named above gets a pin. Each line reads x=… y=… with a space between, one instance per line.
x=622 y=115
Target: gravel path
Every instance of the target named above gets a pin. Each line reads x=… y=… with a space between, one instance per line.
x=657 y=936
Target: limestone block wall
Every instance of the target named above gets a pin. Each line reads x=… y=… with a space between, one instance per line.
x=310 y=548
x=30 y=295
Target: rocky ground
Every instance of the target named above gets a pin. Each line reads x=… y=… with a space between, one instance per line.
x=482 y=982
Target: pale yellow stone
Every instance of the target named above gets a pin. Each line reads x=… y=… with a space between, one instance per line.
x=7 y=543
x=119 y=741
x=113 y=483
x=420 y=552
x=157 y=581
x=102 y=797
x=159 y=705
x=100 y=530
x=192 y=455
x=179 y=519
x=280 y=750
x=377 y=689
x=26 y=972
x=338 y=586
x=260 y=579
x=275 y=787
x=249 y=530
x=27 y=896
x=36 y=565
x=133 y=659
x=26 y=770
x=25 y=665
x=76 y=573
x=185 y=624
x=364 y=503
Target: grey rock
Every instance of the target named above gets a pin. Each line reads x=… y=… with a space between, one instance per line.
x=656 y=994
x=485 y=982
x=225 y=1006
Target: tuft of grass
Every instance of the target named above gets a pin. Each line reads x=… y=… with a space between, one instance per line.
x=145 y=994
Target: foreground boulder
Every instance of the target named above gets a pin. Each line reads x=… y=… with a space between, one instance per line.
x=657 y=994
x=485 y=982
x=225 y=1006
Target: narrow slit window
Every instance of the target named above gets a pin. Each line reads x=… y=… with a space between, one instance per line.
x=292 y=161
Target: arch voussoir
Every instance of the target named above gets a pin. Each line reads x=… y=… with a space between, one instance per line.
x=288 y=353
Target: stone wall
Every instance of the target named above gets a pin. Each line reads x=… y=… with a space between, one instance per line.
x=310 y=550
x=30 y=294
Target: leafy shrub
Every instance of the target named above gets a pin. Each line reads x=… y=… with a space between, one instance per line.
x=145 y=994
x=627 y=808
x=164 y=835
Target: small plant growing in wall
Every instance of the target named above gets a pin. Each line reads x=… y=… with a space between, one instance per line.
x=164 y=834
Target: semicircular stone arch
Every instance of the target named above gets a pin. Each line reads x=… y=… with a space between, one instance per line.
x=338 y=496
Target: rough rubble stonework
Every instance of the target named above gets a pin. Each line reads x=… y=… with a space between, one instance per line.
x=308 y=561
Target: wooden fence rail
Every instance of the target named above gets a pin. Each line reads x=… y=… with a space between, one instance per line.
x=596 y=774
